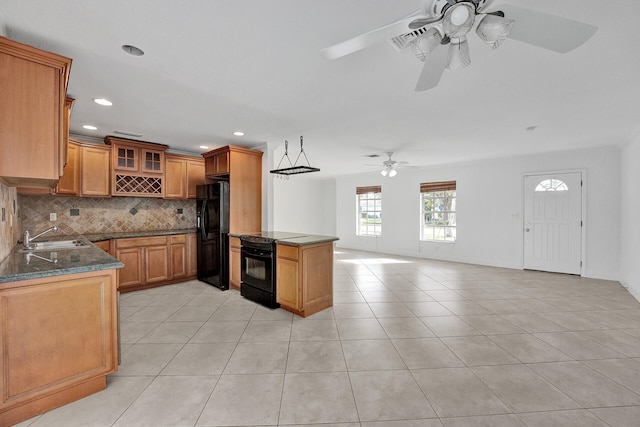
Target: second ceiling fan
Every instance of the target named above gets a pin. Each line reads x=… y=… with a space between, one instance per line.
x=439 y=23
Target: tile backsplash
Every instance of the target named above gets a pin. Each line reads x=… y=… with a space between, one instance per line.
x=9 y=223
x=80 y=215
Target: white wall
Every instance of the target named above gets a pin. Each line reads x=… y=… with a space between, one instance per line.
x=489 y=210
x=629 y=219
x=304 y=203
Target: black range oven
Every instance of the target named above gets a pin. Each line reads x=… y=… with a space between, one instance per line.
x=258 y=270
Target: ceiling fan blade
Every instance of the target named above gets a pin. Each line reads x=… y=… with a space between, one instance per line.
x=550 y=32
x=422 y=21
x=365 y=40
x=432 y=70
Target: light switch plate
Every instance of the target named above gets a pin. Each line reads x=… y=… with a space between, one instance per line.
x=53 y=216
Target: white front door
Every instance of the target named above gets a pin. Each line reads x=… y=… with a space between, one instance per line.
x=553 y=222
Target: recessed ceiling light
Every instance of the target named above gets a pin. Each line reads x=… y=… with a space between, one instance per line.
x=132 y=50
x=238 y=133
x=103 y=101
x=204 y=147
x=89 y=127
x=532 y=128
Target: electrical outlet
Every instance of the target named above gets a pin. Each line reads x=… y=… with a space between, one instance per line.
x=53 y=216
x=179 y=211
x=74 y=212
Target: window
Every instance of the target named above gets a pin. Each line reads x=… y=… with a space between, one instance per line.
x=552 y=185
x=438 y=211
x=369 y=219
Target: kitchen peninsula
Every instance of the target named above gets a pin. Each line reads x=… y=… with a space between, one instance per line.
x=58 y=329
x=303 y=269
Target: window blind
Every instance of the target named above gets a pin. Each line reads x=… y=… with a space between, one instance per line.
x=429 y=187
x=370 y=189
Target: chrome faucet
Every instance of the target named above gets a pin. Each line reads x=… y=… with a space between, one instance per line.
x=28 y=239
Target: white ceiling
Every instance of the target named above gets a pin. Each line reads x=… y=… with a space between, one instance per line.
x=215 y=66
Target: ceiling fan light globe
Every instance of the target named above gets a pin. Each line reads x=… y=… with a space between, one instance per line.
x=458 y=20
x=459 y=56
x=459 y=15
x=493 y=30
x=384 y=172
x=393 y=173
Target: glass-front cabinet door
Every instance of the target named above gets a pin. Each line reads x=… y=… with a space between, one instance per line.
x=152 y=161
x=126 y=158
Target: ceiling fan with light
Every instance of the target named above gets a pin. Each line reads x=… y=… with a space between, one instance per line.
x=391 y=166
x=447 y=22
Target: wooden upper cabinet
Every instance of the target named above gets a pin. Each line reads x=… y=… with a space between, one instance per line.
x=137 y=156
x=87 y=172
x=69 y=183
x=95 y=165
x=217 y=162
x=66 y=123
x=182 y=174
x=33 y=87
x=175 y=183
x=151 y=161
x=243 y=170
x=138 y=167
x=126 y=158
x=195 y=176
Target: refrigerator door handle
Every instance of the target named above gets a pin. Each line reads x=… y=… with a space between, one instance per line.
x=204 y=229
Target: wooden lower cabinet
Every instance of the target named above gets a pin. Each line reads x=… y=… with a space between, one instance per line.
x=234 y=262
x=156 y=264
x=192 y=255
x=58 y=341
x=304 y=277
x=178 y=256
x=105 y=245
x=131 y=276
x=154 y=261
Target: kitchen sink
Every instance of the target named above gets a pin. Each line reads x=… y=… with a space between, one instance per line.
x=55 y=245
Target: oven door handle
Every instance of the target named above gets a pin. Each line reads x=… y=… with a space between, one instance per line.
x=257 y=253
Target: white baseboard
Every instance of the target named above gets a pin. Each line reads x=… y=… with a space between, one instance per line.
x=634 y=292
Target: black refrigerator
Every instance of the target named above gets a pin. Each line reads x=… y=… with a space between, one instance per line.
x=213 y=238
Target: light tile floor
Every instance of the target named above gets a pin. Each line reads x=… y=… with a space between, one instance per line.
x=409 y=342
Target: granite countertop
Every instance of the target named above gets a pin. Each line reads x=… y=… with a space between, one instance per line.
x=290 y=238
x=96 y=237
x=310 y=239
x=24 y=266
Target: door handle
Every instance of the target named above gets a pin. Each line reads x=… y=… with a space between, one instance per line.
x=526 y=229
x=204 y=229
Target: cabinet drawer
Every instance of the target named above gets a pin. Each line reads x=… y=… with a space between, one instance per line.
x=178 y=238
x=285 y=251
x=135 y=242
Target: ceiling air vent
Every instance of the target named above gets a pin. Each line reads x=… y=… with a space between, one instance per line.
x=403 y=41
x=133 y=135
